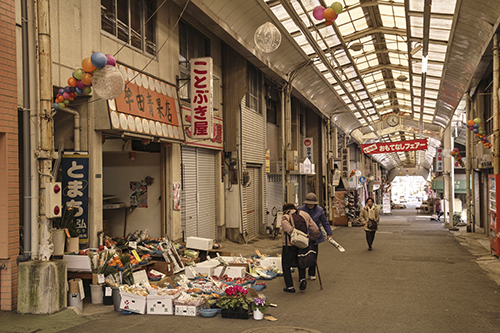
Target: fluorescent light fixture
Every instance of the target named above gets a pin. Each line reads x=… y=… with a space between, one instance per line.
x=424 y=64
x=416 y=49
x=370 y=127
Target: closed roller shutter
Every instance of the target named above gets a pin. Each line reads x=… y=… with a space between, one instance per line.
x=198 y=193
x=253 y=200
x=273 y=196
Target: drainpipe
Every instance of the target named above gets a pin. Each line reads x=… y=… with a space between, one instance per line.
x=45 y=153
x=76 y=126
x=468 y=165
x=283 y=146
x=26 y=147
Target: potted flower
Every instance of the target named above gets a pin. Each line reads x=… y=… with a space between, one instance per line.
x=234 y=303
x=58 y=232
x=99 y=265
x=259 y=306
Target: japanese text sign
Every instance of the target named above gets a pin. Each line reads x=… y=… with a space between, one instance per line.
x=155 y=100
x=216 y=142
x=439 y=160
x=345 y=162
x=75 y=183
x=201 y=98
x=308 y=148
x=392 y=147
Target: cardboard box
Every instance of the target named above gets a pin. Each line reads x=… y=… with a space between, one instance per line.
x=188 y=310
x=273 y=262
x=163 y=282
x=73 y=286
x=133 y=303
x=191 y=272
x=160 y=305
x=166 y=268
x=198 y=243
x=231 y=271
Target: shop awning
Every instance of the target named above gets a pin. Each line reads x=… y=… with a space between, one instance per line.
x=459 y=184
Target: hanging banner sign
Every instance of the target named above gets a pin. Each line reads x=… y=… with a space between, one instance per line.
x=439 y=160
x=217 y=140
x=345 y=162
x=75 y=183
x=308 y=148
x=147 y=106
x=202 y=111
x=392 y=147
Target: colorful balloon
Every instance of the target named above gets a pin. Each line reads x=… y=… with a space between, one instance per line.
x=79 y=91
x=87 y=90
x=475 y=130
x=98 y=59
x=72 y=82
x=66 y=95
x=476 y=125
x=477 y=120
x=60 y=98
x=337 y=7
x=328 y=23
x=56 y=106
x=111 y=60
x=317 y=13
x=329 y=14
x=78 y=73
x=66 y=102
x=471 y=123
x=86 y=79
x=60 y=91
x=61 y=105
x=80 y=85
x=87 y=65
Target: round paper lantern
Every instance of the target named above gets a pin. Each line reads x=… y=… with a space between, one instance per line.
x=337 y=7
x=108 y=82
x=329 y=14
x=267 y=38
x=358 y=173
x=318 y=12
x=471 y=123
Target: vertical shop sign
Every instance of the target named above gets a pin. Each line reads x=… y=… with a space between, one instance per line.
x=345 y=163
x=268 y=161
x=439 y=160
x=75 y=182
x=308 y=148
x=201 y=98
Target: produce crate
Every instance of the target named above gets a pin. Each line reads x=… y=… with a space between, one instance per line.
x=238 y=313
x=133 y=303
x=160 y=305
x=188 y=310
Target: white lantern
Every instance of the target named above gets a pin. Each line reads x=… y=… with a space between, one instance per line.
x=267 y=38
x=108 y=82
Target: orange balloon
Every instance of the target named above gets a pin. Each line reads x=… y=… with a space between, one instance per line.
x=72 y=82
x=60 y=99
x=329 y=14
x=477 y=135
x=471 y=122
x=86 y=79
x=327 y=23
x=87 y=65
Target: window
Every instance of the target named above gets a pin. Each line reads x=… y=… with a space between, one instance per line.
x=254 y=95
x=192 y=44
x=126 y=20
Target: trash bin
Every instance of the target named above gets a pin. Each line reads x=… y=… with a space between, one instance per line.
x=75 y=300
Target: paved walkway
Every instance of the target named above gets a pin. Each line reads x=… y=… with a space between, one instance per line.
x=419 y=278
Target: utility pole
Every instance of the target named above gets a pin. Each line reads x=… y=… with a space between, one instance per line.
x=45 y=149
x=496 y=113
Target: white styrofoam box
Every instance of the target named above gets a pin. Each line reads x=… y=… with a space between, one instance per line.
x=188 y=310
x=231 y=260
x=161 y=305
x=231 y=271
x=198 y=243
x=273 y=262
x=77 y=263
x=192 y=272
x=133 y=303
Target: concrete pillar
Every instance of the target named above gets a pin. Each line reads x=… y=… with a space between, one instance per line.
x=42 y=287
x=496 y=112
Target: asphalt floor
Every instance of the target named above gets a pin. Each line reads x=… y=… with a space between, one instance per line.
x=420 y=277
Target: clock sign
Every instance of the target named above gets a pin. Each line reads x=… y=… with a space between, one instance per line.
x=392 y=120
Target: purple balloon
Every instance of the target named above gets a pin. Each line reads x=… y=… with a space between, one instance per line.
x=60 y=91
x=80 y=85
x=67 y=89
x=318 y=13
x=111 y=60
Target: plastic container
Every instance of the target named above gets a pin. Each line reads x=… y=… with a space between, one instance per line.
x=116 y=299
x=59 y=240
x=238 y=313
x=75 y=300
x=257 y=315
x=108 y=295
x=96 y=293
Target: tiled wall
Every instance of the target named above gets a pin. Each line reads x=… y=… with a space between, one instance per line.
x=9 y=162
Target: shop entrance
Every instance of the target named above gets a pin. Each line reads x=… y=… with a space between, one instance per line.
x=198 y=193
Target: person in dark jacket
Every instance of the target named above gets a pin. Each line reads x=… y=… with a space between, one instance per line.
x=318 y=215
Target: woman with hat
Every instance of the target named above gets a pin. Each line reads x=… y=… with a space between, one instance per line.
x=318 y=215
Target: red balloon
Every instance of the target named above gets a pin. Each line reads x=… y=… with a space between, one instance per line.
x=327 y=23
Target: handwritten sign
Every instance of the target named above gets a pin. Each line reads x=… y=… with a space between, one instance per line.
x=392 y=147
x=201 y=98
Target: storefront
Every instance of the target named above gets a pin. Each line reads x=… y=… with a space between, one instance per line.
x=199 y=185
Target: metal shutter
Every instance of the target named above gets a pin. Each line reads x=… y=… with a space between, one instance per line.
x=253 y=203
x=189 y=209
x=273 y=195
x=206 y=193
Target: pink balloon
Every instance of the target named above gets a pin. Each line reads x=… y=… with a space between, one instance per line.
x=66 y=95
x=111 y=60
x=318 y=13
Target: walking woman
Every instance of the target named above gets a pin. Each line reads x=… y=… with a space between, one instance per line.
x=318 y=215
x=370 y=218
x=293 y=218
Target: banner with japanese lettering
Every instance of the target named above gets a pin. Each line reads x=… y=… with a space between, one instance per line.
x=439 y=160
x=75 y=183
x=147 y=106
x=392 y=147
x=202 y=111
x=216 y=142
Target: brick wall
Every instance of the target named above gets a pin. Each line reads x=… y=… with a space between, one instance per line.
x=9 y=164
